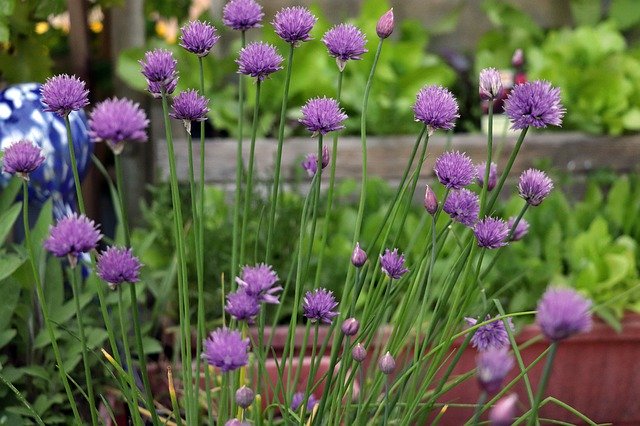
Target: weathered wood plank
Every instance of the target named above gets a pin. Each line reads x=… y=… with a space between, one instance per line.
x=572 y=152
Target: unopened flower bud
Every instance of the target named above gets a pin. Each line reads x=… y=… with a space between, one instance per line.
x=359 y=256
x=359 y=353
x=430 y=201
x=490 y=83
x=244 y=397
x=350 y=327
x=503 y=413
x=387 y=364
x=385 y=25
x=517 y=60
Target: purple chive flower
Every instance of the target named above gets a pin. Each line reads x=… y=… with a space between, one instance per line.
x=534 y=104
x=242 y=15
x=241 y=306
x=454 y=169
x=71 y=236
x=534 y=186
x=293 y=24
x=244 y=397
x=490 y=84
x=322 y=115
x=436 y=107
x=115 y=121
x=562 y=312
x=492 y=367
x=189 y=106
x=198 y=37
x=236 y=422
x=491 y=233
x=503 y=413
x=385 y=24
x=310 y=163
x=358 y=257
x=430 y=201
x=359 y=353
x=387 y=364
x=226 y=349
x=64 y=93
x=493 y=335
x=392 y=264
x=493 y=175
x=22 y=158
x=298 y=398
x=350 y=327
x=345 y=42
x=117 y=265
x=521 y=230
x=259 y=282
x=517 y=60
x=259 y=60
x=159 y=68
x=319 y=305
x=463 y=206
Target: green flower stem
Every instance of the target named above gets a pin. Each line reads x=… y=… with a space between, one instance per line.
x=542 y=386
x=481 y=400
x=505 y=172
x=239 y=168
x=276 y=177
x=23 y=400
x=330 y=194
x=487 y=169
x=249 y=188
x=43 y=303
x=74 y=165
x=423 y=305
x=307 y=389
x=185 y=321
x=83 y=344
x=386 y=401
x=356 y=233
x=124 y=329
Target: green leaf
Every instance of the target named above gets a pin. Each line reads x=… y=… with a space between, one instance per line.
x=10 y=263
x=11 y=295
x=128 y=68
x=9 y=193
x=7 y=219
x=6 y=336
x=625 y=13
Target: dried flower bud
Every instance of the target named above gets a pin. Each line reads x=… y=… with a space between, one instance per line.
x=359 y=353
x=244 y=397
x=359 y=256
x=350 y=327
x=430 y=201
x=387 y=364
x=385 y=24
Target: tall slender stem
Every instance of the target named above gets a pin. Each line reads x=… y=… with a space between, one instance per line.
x=487 y=169
x=239 y=167
x=74 y=165
x=249 y=187
x=83 y=344
x=127 y=352
x=276 y=176
x=542 y=386
x=505 y=172
x=43 y=303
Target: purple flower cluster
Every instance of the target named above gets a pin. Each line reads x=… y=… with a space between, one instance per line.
x=226 y=350
x=345 y=42
x=534 y=186
x=319 y=306
x=116 y=121
x=503 y=413
x=293 y=24
x=522 y=229
x=117 y=265
x=490 y=84
x=259 y=282
x=259 y=60
x=463 y=206
x=454 y=169
x=22 y=158
x=159 y=68
x=242 y=306
x=491 y=233
x=392 y=264
x=436 y=107
x=493 y=174
x=562 y=312
x=64 y=93
x=242 y=15
x=189 y=106
x=534 y=104
x=322 y=115
x=492 y=335
x=71 y=236
x=492 y=366
x=198 y=37
x=298 y=398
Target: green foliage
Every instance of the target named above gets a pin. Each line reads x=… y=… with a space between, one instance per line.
x=404 y=67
